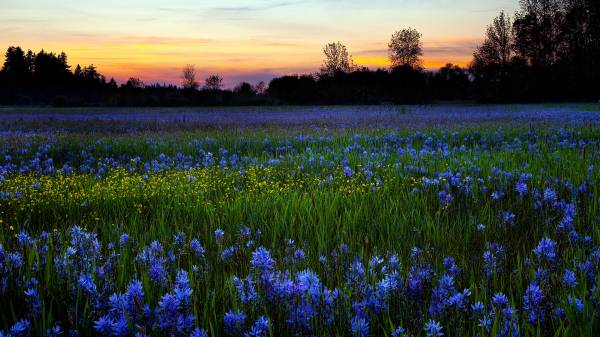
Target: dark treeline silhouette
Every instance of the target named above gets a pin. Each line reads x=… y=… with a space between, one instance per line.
x=401 y=85
x=29 y=78
x=549 y=51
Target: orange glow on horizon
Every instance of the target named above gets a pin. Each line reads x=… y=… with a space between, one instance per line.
x=240 y=40
x=159 y=59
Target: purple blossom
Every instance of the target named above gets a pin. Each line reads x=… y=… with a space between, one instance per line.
x=546 y=250
x=433 y=329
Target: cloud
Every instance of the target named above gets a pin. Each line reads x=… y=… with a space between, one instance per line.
x=256 y=8
x=435 y=48
x=462 y=47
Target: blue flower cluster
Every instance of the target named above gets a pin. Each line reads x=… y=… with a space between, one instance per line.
x=242 y=283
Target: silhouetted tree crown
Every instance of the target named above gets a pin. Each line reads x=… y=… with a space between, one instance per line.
x=405 y=48
x=213 y=82
x=188 y=78
x=337 y=59
x=548 y=51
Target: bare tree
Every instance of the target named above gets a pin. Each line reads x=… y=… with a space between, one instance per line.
x=188 y=77
x=337 y=59
x=213 y=82
x=405 y=48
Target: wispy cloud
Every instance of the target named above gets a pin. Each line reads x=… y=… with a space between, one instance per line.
x=452 y=47
x=255 y=8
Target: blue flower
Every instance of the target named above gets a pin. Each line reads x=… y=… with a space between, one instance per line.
x=167 y=313
x=197 y=248
x=399 y=332
x=234 y=322
x=157 y=272
x=121 y=327
x=359 y=326
x=123 y=239
x=179 y=240
x=499 y=300
x=497 y=195
x=445 y=197
x=440 y=295
x=33 y=299
x=259 y=329
x=507 y=218
x=478 y=308
x=560 y=313
x=569 y=279
x=135 y=297
x=492 y=258
x=24 y=239
x=486 y=322
x=219 y=233
x=546 y=250
x=550 y=196
x=199 y=332
x=433 y=329
x=104 y=325
x=228 y=252
x=182 y=289
x=262 y=260
x=20 y=329
x=521 y=188
x=348 y=172
x=299 y=254
x=15 y=260
x=55 y=331
x=245 y=232
x=533 y=303
x=86 y=283
x=576 y=303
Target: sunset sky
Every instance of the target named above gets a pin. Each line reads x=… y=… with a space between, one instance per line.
x=241 y=40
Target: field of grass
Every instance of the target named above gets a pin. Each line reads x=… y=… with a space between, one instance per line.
x=462 y=227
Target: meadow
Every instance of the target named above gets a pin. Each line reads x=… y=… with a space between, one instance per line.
x=302 y=221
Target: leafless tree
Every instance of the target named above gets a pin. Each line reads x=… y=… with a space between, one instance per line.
x=405 y=48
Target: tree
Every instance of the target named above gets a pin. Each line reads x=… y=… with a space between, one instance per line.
x=337 y=60
x=244 y=89
x=405 y=48
x=537 y=32
x=497 y=46
x=260 y=88
x=213 y=83
x=188 y=77
x=16 y=67
x=134 y=83
x=112 y=84
x=450 y=82
x=491 y=60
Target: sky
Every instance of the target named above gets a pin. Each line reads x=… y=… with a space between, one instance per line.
x=240 y=40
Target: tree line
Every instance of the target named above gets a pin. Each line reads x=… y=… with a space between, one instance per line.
x=549 y=50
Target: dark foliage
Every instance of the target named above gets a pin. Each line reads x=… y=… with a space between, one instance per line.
x=549 y=51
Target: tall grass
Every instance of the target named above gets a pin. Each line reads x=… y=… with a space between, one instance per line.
x=390 y=204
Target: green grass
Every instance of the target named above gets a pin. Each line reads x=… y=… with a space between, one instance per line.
x=288 y=202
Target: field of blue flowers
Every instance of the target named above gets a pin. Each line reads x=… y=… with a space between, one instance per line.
x=464 y=227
